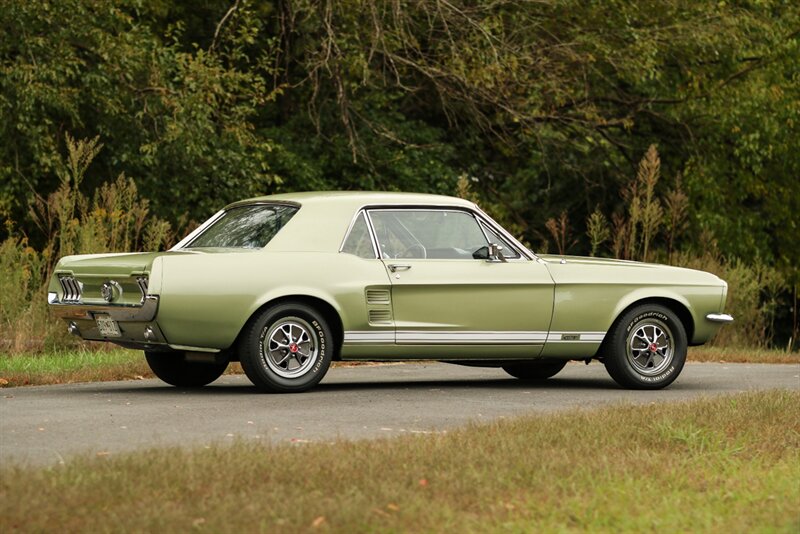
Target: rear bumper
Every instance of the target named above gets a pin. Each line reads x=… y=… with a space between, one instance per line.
x=137 y=325
x=140 y=314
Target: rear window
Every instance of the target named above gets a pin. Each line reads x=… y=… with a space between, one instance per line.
x=250 y=226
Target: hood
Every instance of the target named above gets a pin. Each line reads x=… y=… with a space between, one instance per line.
x=586 y=260
x=576 y=269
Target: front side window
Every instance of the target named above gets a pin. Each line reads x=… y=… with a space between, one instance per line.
x=432 y=234
x=251 y=226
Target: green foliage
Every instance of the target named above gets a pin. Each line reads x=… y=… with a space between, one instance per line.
x=22 y=275
x=755 y=289
x=545 y=106
x=597 y=230
x=112 y=221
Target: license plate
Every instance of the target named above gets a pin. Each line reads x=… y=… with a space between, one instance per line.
x=107 y=326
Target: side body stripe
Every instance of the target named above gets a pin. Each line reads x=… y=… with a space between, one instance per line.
x=455 y=337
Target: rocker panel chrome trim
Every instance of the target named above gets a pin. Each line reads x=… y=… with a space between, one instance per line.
x=455 y=337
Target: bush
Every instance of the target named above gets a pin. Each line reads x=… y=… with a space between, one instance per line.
x=753 y=294
x=116 y=219
x=646 y=231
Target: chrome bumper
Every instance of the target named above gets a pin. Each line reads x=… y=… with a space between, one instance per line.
x=719 y=318
x=70 y=311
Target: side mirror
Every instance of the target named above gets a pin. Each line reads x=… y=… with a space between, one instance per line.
x=492 y=252
x=496 y=253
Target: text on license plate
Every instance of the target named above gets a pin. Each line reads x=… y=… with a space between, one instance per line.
x=107 y=326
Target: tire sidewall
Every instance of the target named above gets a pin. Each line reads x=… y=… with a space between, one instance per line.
x=621 y=368
x=173 y=369
x=535 y=370
x=254 y=359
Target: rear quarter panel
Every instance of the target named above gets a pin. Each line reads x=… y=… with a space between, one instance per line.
x=206 y=299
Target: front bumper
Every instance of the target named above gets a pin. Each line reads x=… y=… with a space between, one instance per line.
x=723 y=318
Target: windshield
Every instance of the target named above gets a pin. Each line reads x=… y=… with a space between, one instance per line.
x=250 y=226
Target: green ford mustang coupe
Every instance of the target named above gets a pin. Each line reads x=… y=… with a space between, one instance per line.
x=287 y=283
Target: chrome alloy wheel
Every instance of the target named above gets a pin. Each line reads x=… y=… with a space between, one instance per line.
x=289 y=347
x=650 y=347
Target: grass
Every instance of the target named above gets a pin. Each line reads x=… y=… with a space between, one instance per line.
x=70 y=366
x=729 y=464
x=741 y=355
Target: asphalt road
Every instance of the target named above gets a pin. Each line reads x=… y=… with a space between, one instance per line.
x=48 y=424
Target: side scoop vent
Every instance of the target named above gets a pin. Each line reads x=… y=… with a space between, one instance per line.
x=380 y=316
x=378 y=296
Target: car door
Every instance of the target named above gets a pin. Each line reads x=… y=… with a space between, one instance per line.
x=448 y=300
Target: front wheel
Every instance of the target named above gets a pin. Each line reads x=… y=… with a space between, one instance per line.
x=286 y=348
x=535 y=370
x=646 y=348
x=174 y=369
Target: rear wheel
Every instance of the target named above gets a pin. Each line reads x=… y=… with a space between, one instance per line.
x=535 y=370
x=286 y=348
x=646 y=348
x=174 y=369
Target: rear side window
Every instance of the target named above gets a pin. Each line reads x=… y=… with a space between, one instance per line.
x=359 y=242
x=250 y=226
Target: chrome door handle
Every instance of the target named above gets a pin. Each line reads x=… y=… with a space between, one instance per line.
x=395 y=267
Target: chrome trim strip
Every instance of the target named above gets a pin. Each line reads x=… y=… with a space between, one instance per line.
x=369 y=229
x=723 y=318
x=142 y=282
x=477 y=214
x=472 y=337
x=484 y=226
x=503 y=233
x=144 y=313
x=197 y=231
x=582 y=337
x=487 y=337
x=373 y=236
x=193 y=349
x=369 y=337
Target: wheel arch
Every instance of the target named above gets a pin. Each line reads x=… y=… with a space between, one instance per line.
x=675 y=306
x=328 y=311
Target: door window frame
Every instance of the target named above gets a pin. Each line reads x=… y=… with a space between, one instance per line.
x=361 y=213
x=483 y=221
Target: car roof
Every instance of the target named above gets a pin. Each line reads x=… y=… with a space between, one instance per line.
x=351 y=199
x=325 y=217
